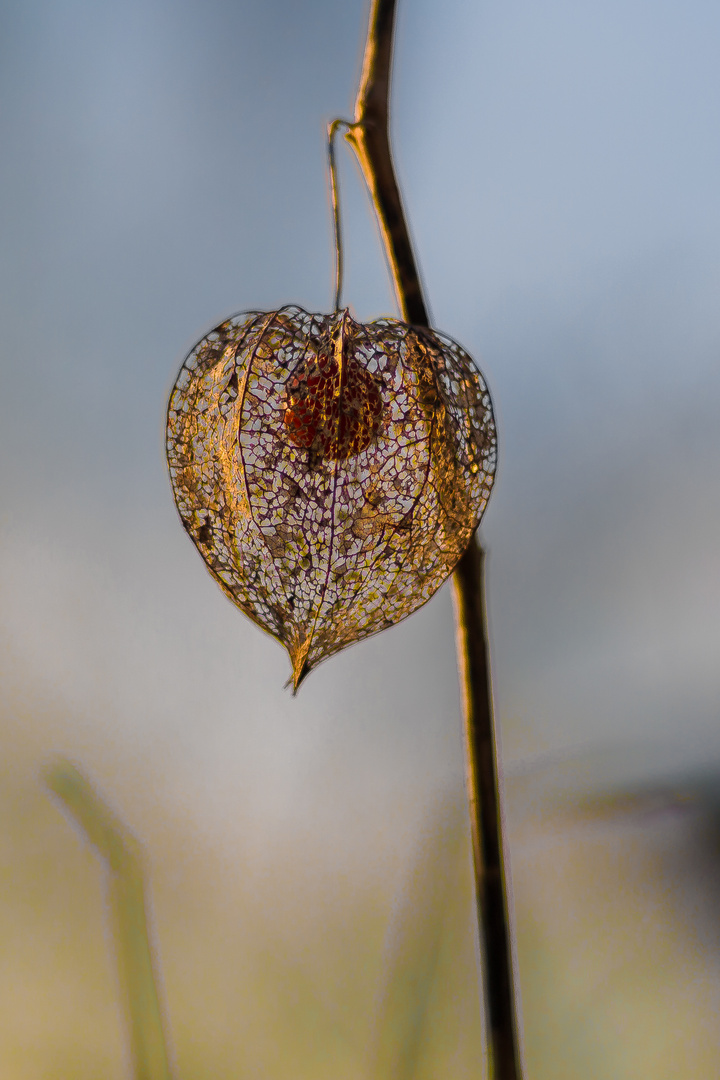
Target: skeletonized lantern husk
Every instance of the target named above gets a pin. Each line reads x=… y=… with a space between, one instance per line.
x=330 y=473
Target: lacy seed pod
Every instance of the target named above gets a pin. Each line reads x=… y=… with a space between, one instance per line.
x=331 y=473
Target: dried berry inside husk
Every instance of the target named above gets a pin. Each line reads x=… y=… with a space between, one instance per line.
x=333 y=407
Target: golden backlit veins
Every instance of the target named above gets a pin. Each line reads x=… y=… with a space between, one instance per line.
x=331 y=473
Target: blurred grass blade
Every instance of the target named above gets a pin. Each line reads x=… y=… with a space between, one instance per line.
x=120 y=852
x=413 y=948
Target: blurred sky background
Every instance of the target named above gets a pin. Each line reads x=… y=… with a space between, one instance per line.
x=163 y=166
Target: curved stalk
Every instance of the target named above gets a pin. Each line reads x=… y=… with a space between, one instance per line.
x=335 y=203
x=369 y=136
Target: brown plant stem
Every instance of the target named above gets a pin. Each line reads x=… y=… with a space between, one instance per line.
x=485 y=811
x=369 y=136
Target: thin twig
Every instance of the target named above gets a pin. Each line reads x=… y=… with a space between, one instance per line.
x=369 y=136
x=332 y=128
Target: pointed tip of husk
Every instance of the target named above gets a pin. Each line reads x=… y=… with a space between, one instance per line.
x=301 y=669
x=299 y=677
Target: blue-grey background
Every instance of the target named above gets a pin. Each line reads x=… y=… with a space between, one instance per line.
x=163 y=166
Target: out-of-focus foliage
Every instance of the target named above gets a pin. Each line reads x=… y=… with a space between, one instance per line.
x=122 y=863
x=618 y=950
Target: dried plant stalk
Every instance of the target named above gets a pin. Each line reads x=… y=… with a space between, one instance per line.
x=369 y=135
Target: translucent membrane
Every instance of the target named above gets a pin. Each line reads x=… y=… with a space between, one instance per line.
x=331 y=473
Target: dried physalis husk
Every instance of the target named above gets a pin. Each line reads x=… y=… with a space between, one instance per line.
x=331 y=473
